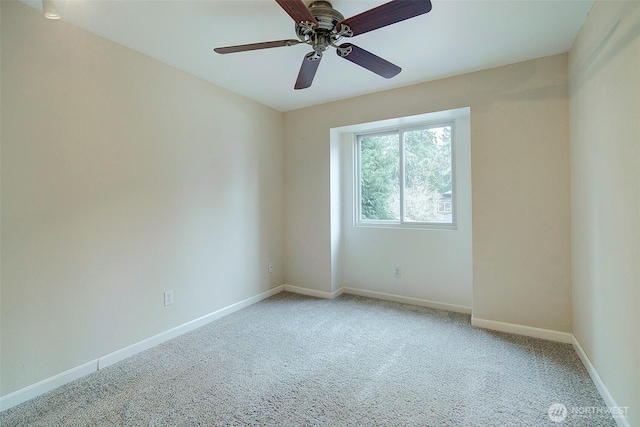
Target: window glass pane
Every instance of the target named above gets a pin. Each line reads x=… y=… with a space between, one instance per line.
x=427 y=169
x=379 y=177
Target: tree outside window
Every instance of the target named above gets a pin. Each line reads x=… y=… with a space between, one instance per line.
x=406 y=176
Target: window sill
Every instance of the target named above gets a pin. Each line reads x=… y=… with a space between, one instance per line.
x=408 y=226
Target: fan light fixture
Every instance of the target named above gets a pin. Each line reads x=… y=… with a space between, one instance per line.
x=50 y=11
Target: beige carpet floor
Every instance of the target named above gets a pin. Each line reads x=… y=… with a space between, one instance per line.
x=292 y=360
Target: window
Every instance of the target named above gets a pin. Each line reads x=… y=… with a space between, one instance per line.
x=404 y=177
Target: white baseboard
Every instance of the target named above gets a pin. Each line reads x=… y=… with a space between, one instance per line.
x=408 y=300
x=602 y=388
x=19 y=396
x=312 y=292
x=129 y=351
x=528 y=331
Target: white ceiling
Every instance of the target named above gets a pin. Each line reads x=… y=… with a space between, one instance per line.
x=456 y=37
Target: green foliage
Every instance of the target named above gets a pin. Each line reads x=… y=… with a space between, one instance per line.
x=427 y=170
x=379 y=174
x=427 y=156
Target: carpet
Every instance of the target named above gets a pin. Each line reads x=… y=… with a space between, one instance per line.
x=292 y=360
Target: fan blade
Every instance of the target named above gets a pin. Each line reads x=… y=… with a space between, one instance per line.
x=308 y=70
x=255 y=46
x=386 y=14
x=298 y=11
x=368 y=60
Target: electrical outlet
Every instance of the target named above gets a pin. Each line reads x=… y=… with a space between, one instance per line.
x=396 y=272
x=270 y=267
x=168 y=298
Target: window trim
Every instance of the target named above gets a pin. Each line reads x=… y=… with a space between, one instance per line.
x=401 y=223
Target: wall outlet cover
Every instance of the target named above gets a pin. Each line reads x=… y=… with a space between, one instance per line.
x=168 y=298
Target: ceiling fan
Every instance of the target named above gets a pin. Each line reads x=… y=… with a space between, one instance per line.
x=321 y=26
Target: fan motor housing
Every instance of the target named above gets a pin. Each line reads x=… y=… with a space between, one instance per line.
x=322 y=36
x=325 y=14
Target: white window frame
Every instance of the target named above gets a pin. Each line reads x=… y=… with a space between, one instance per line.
x=401 y=223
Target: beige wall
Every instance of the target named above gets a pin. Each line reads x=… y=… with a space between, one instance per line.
x=520 y=181
x=435 y=264
x=123 y=178
x=605 y=163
